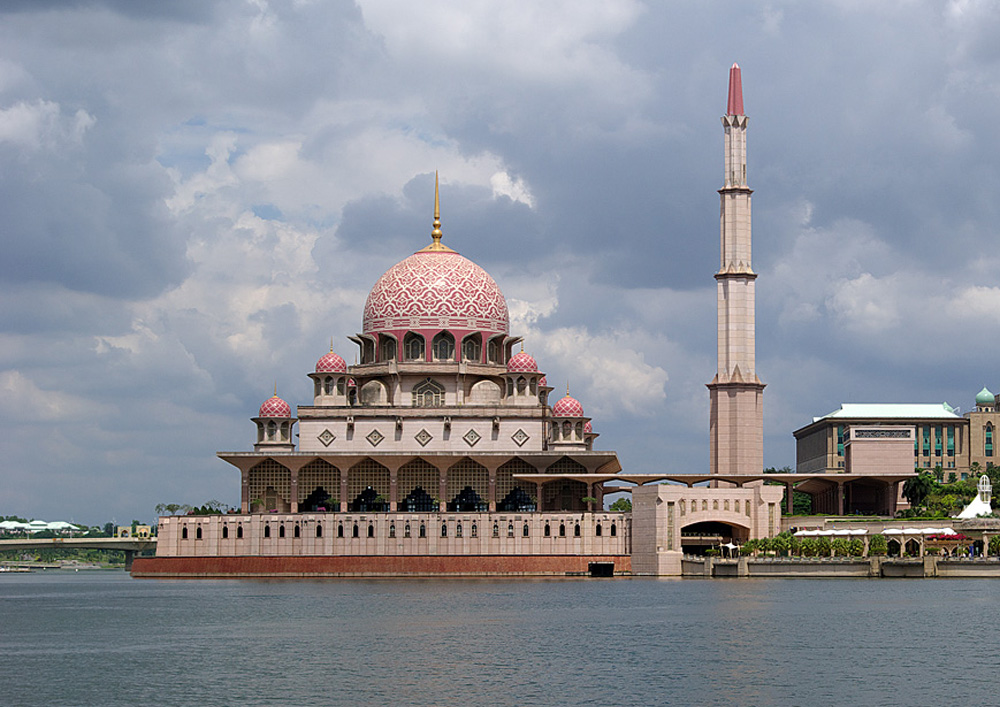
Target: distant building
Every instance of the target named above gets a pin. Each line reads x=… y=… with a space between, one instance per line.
x=941 y=437
x=127 y=531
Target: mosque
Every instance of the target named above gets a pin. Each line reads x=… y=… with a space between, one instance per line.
x=442 y=452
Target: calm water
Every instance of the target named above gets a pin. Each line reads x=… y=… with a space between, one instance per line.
x=100 y=638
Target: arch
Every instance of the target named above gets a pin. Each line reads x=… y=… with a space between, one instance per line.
x=422 y=531
x=701 y=535
x=524 y=530
x=354 y=532
x=297 y=532
x=444 y=530
x=225 y=532
x=340 y=530
x=597 y=529
x=562 y=530
x=328 y=385
x=493 y=351
x=472 y=348
x=576 y=530
x=428 y=393
x=565 y=494
x=547 y=531
x=281 y=530
x=267 y=530
x=197 y=533
x=239 y=532
x=510 y=529
x=521 y=385
x=270 y=486
x=485 y=392
x=418 y=481
x=371 y=530
x=458 y=529
x=373 y=393
x=184 y=533
x=319 y=483
x=413 y=347
x=392 y=530
x=468 y=487
x=386 y=347
x=443 y=347
x=513 y=496
x=367 y=474
x=319 y=530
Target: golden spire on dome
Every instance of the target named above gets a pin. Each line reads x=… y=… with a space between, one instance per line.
x=331 y=344
x=437 y=245
x=276 y=389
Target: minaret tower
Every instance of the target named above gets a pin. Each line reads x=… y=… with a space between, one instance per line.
x=736 y=422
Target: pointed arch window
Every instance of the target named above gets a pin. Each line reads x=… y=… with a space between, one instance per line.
x=493 y=351
x=988 y=446
x=413 y=347
x=443 y=347
x=386 y=348
x=428 y=394
x=472 y=348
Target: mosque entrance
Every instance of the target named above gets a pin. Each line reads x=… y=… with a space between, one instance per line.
x=711 y=535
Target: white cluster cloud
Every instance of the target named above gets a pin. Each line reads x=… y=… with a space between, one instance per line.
x=43 y=125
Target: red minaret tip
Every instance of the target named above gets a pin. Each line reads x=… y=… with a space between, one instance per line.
x=735 y=105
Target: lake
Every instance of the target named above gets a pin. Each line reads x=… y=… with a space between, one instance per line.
x=102 y=638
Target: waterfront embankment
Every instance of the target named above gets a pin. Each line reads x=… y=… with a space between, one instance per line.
x=833 y=567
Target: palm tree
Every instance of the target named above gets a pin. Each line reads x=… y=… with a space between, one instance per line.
x=917 y=488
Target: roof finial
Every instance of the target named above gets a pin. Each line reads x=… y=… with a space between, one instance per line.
x=436 y=233
x=331 y=344
x=567 y=388
x=276 y=389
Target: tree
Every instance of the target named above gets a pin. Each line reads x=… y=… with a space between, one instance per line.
x=622 y=505
x=917 y=488
x=939 y=473
x=877 y=545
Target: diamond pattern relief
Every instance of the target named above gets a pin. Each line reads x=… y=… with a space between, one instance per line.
x=326 y=437
x=471 y=437
x=374 y=437
x=520 y=437
x=423 y=437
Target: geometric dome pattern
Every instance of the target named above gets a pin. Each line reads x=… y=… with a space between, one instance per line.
x=436 y=290
x=568 y=407
x=331 y=363
x=522 y=363
x=587 y=427
x=275 y=407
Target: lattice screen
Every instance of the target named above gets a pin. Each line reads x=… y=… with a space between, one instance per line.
x=270 y=473
x=417 y=473
x=364 y=474
x=468 y=473
x=319 y=473
x=505 y=483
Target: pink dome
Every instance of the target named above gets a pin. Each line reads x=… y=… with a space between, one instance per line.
x=436 y=289
x=568 y=407
x=331 y=363
x=542 y=381
x=522 y=363
x=275 y=407
x=587 y=428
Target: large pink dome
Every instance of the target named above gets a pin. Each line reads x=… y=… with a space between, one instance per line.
x=275 y=407
x=436 y=289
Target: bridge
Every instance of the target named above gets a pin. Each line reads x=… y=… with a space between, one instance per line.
x=130 y=546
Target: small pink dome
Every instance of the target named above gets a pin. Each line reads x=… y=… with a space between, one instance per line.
x=542 y=381
x=587 y=428
x=275 y=407
x=568 y=407
x=331 y=363
x=522 y=363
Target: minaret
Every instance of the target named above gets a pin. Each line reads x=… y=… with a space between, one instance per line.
x=736 y=420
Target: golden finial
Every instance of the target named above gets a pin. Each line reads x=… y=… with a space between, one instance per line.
x=331 y=344
x=436 y=233
x=276 y=389
x=522 y=347
x=567 y=389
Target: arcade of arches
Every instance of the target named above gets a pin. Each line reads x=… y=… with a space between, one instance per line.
x=415 y=484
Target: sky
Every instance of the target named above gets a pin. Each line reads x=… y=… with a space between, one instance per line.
x=196 y=196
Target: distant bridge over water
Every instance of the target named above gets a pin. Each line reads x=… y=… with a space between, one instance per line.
x=130 y=546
